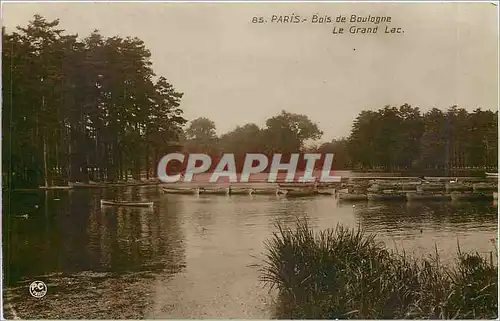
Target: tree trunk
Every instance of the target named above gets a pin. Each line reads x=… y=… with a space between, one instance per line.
x=146 y=163
x=45 y=167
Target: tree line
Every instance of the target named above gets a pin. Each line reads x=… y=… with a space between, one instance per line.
x=93 y=109
x=79 y=109
x=391 y=138
x=404 y=138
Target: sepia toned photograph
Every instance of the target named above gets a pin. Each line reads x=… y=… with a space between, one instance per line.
x=250 y=160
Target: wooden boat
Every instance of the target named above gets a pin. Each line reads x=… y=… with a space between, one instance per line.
x=240 y=191
x=300 y=193
x=446 y=179
x=21 y=189
x=457 y=196
x=382 y=178
x=325 y=191
x=328 y=185
x=485 y=187
x=87 y=185
x=122 y=203
x=404 y=186
x=352 y=197
x=430 y=187
x=386 y=197
x=55 y=187
x=182 y=191
x=297 y=185
x=427 y=197
x=267 y=191
x=458 y=187
x=381 y=186
x=214 y=191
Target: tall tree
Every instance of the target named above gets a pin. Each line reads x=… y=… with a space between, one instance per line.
x=82 y=109
x=201 y=136
x=243 y=139
x=287 y=132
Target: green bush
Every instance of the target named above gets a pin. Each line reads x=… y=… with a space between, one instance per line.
x=346 y=274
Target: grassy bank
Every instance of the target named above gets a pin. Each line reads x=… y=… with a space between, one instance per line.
x=347 y=274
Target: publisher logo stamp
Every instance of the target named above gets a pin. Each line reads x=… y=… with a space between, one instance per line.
x=38 y=289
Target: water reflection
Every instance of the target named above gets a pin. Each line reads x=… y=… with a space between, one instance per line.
x=193 y=256
x=420 y=227
x=69 y=233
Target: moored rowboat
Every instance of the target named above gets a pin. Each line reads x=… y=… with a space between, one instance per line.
x=452 y=187
x=449 y=178
x=352 y=197
x=485 y=187
x=240 y=191
x=325 y=191
x=215 y=191
x=182 y=191
x=297 y=185
x=457 y=196
x=386 y=197
x=55 y=187
x=300 y=193
x=427 y=197
x=431 y=187
x=267 y=191
x=121 y=203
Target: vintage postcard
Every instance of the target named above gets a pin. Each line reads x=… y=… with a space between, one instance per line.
x=250 y=160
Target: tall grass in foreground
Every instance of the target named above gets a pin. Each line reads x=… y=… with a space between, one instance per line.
x=346 y=274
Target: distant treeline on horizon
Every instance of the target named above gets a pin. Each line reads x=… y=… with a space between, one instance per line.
x=93 y=109
x=391 y=138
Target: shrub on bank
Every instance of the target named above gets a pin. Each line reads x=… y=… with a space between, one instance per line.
x=347 y=274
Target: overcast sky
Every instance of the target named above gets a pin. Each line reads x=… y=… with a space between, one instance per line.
x=235 y=72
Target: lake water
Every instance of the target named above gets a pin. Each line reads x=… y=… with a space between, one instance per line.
x=192 y=256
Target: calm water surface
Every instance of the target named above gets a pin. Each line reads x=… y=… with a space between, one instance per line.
x=191 y=256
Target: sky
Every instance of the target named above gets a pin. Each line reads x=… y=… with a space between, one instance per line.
x=233 y=71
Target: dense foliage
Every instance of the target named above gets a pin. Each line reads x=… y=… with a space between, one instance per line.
x=79 y=109
x=346 y=274
x=401 y=138
x=387 y=139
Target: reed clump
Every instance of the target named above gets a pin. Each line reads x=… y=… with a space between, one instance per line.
x=346 y=274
